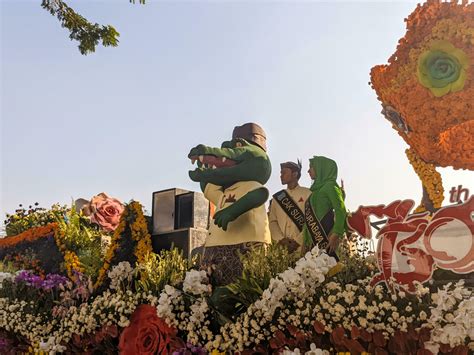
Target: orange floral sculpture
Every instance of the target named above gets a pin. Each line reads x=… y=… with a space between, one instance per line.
x=427 y=90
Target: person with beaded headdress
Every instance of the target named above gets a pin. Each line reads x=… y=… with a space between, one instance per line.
x=286 y=215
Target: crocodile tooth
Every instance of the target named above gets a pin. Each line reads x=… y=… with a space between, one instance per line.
x=193 y=160
x=201 y=158
x=214 y=167
x=224 y=159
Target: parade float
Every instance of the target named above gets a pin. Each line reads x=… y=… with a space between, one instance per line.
x=97 y=277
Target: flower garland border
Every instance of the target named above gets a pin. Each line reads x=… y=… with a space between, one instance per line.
x=139 y=231
x=71 y=260
x=29 y=235
x=114 y=244
x=430 y=178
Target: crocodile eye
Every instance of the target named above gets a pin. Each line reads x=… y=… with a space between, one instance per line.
x=238 y=145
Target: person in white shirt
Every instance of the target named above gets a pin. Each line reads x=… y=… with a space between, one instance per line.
x=286 y=216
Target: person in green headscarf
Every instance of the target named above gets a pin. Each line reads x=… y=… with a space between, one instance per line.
x=325 y=212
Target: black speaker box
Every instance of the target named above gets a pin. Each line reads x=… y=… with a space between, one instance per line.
x=175 y=209
x=189 y=240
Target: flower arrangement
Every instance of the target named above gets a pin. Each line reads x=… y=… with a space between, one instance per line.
x=44 y=333
x=139 y=230
x=289 y=290
x=428 y=86
x=33 y=249
x=26 y=219
x=451 y=318
x=158 y=270
x=82 y=237
x=114 y=244
x=47 y=283
x=29 y=235
x=136 y=301
x=302 y=311
x=139 y=237
x=24 y=261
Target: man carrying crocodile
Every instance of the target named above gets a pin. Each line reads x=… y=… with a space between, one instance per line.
x=232 y=178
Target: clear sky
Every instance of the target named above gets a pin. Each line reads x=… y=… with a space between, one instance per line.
x=122 y=120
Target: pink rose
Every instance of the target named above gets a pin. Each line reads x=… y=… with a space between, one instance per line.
x=106 y=211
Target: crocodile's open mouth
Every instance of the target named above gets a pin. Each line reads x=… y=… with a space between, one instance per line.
x=212 y=161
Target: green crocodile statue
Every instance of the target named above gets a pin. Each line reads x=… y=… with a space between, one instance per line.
x=232 y=179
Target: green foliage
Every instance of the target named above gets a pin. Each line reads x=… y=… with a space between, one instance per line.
x=80 y=29
x=24 y=219
x=357 y=261
x=167 y=268
x=77 y=230
x=87 y=34
x=259 y=266
x=84 y=239
x=232 y=300
x=262 y=264
x=91 y=259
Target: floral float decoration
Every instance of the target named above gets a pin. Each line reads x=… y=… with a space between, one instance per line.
x=103 y=210
x=177 y=309
x=124 y=227
x=427 y=91
x=411 y=246
x=302 y=309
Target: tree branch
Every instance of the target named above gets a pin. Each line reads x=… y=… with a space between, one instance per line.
x=87 y=34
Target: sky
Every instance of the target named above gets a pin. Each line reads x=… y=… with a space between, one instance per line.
x=122 y=120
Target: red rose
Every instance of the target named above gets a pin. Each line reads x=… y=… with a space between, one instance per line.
x=106 y=211
x=146 y=334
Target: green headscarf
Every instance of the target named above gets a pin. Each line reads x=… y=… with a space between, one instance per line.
x=326 y=195
x=326 y=172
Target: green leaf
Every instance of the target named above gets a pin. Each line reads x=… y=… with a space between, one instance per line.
x=80 y=29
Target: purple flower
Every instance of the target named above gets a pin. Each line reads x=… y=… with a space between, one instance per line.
x=51 y=280
x=29 y=278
